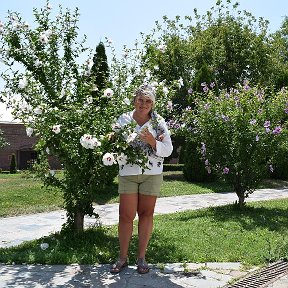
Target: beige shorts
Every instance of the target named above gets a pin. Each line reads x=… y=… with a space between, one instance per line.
x=143 y=184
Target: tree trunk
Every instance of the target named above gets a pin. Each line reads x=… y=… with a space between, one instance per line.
x=240 y=193
x=79 y=222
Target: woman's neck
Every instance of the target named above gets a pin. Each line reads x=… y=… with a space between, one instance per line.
x=141 y=119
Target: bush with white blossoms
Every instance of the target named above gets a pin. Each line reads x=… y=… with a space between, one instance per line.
x=51 y=92
x=239 y=133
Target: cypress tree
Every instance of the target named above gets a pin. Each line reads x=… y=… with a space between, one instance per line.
x=100 y=69
x=13 y=164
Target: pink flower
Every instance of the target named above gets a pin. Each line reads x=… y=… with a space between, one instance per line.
x=226 y=170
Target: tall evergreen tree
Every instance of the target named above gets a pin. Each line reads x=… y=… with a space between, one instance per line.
x=100 y=68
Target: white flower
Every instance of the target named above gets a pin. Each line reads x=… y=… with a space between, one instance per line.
x=44 y=246
x=52 y=172
x=22 y=83
x=180 y=82
x=126 y=101
x=108 y=159
x=162 y=48
x=131 y=137
x=122 y=159
x=154 y=84
x=116 y=127
x=43 y=38
x=38 y=111
x=48 y=33
x=169 y=105
x=47 y=150
x=156 y=67
x=108 y=93
x=89 y=142
x=165 y=90
x=37 y=63
x=56 y=129
x=29 y=131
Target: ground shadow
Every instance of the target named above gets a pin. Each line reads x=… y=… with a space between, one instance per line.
x=79 y=276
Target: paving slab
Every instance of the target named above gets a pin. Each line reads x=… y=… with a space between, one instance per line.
x=99 y=276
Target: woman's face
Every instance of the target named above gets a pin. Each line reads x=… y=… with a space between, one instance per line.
x=143 y=104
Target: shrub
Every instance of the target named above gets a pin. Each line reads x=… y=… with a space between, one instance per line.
x=13 y=165
x=173 y=167
x=238 y=134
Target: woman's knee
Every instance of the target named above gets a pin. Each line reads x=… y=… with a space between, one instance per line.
x=125 y=217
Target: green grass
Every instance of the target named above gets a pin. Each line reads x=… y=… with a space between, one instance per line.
x=254 y=236
x=25 y=195
x=21 y=195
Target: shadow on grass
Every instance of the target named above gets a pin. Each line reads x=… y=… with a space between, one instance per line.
x=94 y=245
x=251 y=217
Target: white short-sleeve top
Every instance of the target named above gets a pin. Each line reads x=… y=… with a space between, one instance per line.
x=164 y=148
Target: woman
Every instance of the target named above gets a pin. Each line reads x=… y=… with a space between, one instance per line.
x=139 y=189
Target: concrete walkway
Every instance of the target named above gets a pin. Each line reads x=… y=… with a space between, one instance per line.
x=15 y=230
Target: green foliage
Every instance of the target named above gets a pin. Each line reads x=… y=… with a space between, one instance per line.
x=194 y=168
x=13 y=165
x=239 y=134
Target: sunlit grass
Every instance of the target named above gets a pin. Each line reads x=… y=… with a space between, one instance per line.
x=254 y=236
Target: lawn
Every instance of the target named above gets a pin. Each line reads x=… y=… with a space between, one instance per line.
x=20 y=194
x=254 y=236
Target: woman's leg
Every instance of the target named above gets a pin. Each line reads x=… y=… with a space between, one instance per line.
x=146 y=205
x=127 y=213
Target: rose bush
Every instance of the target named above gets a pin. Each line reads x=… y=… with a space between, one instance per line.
x=239 y=133
x=51 y=92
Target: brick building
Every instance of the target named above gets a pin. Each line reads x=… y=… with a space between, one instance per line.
x=21 y=145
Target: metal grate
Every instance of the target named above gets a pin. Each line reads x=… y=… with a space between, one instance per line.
x=263 y=277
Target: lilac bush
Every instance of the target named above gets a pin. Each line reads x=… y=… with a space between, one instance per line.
x=238 y=133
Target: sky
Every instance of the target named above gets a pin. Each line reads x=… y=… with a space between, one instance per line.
x=123 y=20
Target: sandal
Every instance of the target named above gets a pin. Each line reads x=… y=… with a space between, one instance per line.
x=142 y=266
x=118 y=266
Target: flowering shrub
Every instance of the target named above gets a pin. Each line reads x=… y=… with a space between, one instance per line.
x=239 y=133
x=51 y=92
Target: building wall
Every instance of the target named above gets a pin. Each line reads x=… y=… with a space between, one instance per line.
x=21 y=145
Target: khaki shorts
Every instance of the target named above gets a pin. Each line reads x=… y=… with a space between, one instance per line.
x=143 y=184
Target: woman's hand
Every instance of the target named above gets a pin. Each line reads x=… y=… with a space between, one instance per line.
x=148 y=138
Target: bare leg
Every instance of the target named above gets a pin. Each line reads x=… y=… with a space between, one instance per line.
x=127 y=213
x=146 y=205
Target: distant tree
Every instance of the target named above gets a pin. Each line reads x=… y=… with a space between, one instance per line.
x=13 y=165
x=280 y=55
